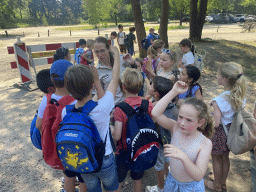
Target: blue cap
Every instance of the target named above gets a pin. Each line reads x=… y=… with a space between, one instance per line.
x=60 y=67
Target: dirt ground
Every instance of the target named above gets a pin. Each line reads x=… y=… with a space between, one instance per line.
x=22 y=166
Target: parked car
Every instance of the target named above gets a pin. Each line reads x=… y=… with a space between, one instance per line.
x=240 y=17
x=185 y=19
x=208 y=18
x=250 y=18
x=160 y=20
x=223 y=18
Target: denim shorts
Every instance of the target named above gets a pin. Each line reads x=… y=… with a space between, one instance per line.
x=175 y=186
x=161 y=159
x=107 y=175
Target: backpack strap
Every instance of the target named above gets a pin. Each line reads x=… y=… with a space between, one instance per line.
x=144 y=106
x=65 y=100
x=87 y=108
x=125 y=107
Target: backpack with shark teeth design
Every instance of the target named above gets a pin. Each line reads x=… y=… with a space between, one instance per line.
x=142 y=138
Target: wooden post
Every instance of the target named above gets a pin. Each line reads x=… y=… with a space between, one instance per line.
x=48 y=32
x=6 y=33
x=70 y=32
x=218 y=29
x=98 y=32
x=38 y=34
x=23 y=34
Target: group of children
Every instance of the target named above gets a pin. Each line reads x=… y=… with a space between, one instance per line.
x=188 y=133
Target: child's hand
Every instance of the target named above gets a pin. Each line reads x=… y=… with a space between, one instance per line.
x=114 y=50
x=128 y=59
x=174 y=152
x=150 y=57
x=95 y=73
x=180 y=87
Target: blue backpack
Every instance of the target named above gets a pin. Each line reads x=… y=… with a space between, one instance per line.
x=79 y=145
x=35 y=135
x=145 y=44
x=142 y=138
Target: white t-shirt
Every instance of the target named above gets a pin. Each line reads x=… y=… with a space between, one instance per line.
x=227 y=111
x=121 y=37
x=43 y=104
x=101 y=117
x=188 y=58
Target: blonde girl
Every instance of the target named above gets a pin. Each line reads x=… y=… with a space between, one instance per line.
x=146 y=83
x=230 y=76
x=190 y=149
x=166 y=64
x=150 y=66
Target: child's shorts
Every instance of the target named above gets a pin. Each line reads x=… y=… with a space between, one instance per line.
x=161 y=159
x=175 y=186
x=73 y=174
x=122 y=168
x=107 y=175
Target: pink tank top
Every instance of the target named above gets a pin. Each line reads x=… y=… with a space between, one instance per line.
x=191 y=148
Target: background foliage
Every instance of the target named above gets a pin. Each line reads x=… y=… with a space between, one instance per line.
x=20 y=13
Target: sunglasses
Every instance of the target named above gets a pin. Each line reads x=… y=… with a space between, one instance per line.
x=167 y=51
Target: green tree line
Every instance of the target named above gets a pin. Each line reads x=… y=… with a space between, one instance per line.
x=15 y=13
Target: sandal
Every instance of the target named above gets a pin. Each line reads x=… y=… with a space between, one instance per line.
x=211 y=176
x=211 y=185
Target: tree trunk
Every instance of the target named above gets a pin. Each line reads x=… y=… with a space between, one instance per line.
x=181 y=14
x=197 y=19
x=139 y=26
x=193 y=30
x=201 y=15
x=164 y=22
x=20 y=14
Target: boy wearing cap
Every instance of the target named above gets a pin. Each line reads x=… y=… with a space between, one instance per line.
x=150 y=36
x=57 y=73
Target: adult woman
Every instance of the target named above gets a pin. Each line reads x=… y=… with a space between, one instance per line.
x=105 y=65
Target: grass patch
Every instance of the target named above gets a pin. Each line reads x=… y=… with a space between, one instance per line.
x=89 y=27
x=221 y=51
x=12 y=35
x=171 y=27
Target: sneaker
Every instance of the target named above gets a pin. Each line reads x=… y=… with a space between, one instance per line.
x=153 y=189
x=62 y=190
x=62 y=179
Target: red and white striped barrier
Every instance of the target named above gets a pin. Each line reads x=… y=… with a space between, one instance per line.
x=28 y=56
x=22 y=60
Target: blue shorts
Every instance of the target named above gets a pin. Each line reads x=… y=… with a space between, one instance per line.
x=130 y=50
x=73 y=174
x=175 y=186
x=122 y=168
x=107 y=175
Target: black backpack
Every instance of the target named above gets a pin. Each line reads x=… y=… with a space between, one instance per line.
x=142 y=138
x=128 y=40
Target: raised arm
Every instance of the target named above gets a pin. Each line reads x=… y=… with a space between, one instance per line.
x=115 y=72
x=98 y=87
x=157 y=112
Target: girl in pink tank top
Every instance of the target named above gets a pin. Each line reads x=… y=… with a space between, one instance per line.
x=190 y=149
